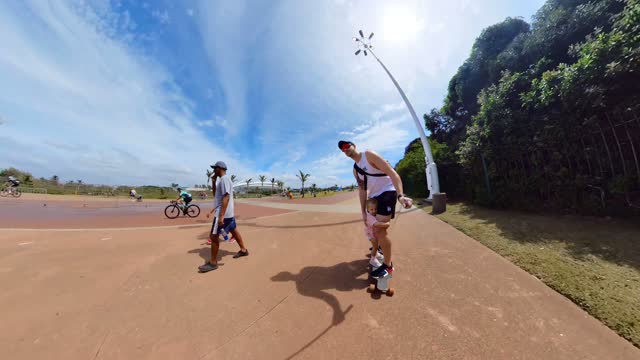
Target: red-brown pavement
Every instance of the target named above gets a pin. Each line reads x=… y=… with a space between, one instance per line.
x=110 y=293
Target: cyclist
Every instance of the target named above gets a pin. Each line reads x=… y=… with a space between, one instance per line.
x=13 y=182
x=184 y=198
x=133 y=194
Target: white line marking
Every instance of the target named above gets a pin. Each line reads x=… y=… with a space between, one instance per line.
x=25 y=243
x=104 y=239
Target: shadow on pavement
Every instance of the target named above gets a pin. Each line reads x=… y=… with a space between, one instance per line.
x=312 y=281
x=205 y=253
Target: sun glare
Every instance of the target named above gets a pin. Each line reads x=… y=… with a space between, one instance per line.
x=399 y=24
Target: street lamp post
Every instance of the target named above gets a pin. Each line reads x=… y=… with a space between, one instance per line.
x=431 y=171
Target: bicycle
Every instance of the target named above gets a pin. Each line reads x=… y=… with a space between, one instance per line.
x=10 y=190
x=174 y=209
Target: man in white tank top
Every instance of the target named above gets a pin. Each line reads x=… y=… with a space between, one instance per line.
x=377 y=179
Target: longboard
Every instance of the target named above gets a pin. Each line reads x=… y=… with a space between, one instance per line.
x=381 y=286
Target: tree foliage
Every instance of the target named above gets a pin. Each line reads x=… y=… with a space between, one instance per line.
x=526 y=98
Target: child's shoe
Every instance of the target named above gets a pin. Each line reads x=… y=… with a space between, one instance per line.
x=382 y=272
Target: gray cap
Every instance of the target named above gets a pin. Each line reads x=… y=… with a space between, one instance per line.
x=219 y=164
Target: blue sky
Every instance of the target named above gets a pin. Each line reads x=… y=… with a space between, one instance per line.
x=135 y=92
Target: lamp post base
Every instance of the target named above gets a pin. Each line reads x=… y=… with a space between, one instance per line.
x=439 y=203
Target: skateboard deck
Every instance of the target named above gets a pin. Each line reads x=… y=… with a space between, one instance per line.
x=381 y=286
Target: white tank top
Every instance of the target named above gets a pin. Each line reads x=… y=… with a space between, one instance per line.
x=375 y=185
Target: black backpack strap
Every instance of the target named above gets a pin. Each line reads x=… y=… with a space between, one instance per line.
x=365 y=174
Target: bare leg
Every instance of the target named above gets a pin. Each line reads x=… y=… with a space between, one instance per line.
x=385 y=243
x=383 y=239
x=215 y=246
x=236 y=234
x=374 y=247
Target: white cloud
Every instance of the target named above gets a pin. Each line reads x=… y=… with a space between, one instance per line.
x=190 y=12
x=226 y=29
x=85 y=106
x=162 y=16
x=206 y=123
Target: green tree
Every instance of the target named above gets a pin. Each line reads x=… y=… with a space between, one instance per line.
x=303 y=177
x=262 y=180
x=27 y=180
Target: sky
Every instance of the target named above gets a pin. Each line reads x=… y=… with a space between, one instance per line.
x=153 y=92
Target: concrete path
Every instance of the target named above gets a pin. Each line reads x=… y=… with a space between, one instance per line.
x=136 y=294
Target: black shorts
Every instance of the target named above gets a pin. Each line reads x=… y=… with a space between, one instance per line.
x=387 y=203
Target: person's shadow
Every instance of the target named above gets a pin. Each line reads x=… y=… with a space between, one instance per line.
x=205 y=253
x=342 y=277
x=312 y=281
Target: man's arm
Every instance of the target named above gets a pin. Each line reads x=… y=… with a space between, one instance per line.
x=225 y=203
x=225 y=189
x=214 y=178
x=362 y=193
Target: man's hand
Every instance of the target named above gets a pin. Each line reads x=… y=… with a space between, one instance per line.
x=364 y=218
x=220 y=222
x=406 y=202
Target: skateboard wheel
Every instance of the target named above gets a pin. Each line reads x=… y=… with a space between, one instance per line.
x=390 y=292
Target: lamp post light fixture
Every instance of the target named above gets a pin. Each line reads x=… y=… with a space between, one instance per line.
x=431 y=171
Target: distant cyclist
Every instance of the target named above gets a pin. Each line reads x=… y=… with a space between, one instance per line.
x=184 y=197
x=13 y=182
x=134 y=195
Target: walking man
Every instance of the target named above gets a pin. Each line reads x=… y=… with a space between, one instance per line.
x=225 y=218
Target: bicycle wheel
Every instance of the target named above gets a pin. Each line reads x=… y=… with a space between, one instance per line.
x=16 y=193
x=193 y=210
x=171 y=211
x=4 y=192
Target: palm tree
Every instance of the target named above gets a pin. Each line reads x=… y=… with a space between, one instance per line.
x=314 y=188
x=209 y=173
x=303 y=177
x=248 y=181
x=280 y=184
x=262 y=180
x=55 y=179
x=234 y=179
x=273 y=182
x=78 y=187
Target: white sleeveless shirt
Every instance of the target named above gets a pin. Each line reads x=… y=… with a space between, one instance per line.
x=375 y=185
